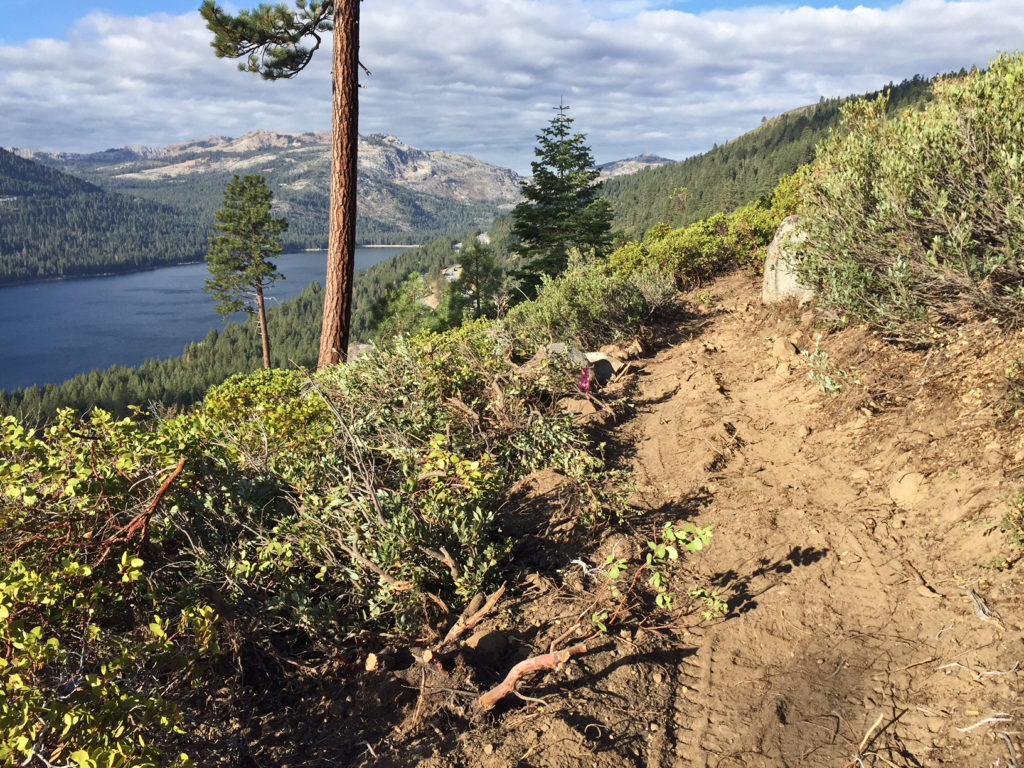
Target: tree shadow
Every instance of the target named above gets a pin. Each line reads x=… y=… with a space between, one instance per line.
x=743 y=597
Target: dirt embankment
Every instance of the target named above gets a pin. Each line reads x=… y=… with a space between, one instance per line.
x=875 y=611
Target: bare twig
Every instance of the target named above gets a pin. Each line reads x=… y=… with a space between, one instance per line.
x=444 y=558
x=909 y=568
x=997 y=717
x=1013 y=751
x=916 y=664
x=489 y=699
x=867 y=736
x=980 y=608
x=141 y=520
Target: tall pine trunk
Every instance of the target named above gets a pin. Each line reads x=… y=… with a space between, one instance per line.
x=341 y=243
x=264 y=334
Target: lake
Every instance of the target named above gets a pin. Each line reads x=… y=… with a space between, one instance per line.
x=52 y=331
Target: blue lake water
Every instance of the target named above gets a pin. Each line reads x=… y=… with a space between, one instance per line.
x=52 y=331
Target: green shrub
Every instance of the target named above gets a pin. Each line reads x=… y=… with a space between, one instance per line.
x=923 y=214
x=84 y=653
x=695 y=254
x=588 y=305
x=143 y=558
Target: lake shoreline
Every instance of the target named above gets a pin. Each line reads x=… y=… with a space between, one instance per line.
x=57 y=329
x=151 y=267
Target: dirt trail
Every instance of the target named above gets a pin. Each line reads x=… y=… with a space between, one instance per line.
x=850 y=534
x=845 y=542
x=826 y=522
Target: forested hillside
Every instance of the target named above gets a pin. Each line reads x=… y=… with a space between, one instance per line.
x=738 y=172
x=52 y=224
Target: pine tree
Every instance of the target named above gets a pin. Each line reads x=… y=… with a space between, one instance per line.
x=239 y=259
x=274 y=38
x=475 y=292
x=562 y=209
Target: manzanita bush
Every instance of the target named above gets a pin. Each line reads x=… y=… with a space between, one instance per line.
x=306 y=507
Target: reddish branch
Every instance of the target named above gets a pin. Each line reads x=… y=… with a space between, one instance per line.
x=533 y=664
x=141 y=520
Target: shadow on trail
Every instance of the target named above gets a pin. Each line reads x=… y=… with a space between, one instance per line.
x=744 y=596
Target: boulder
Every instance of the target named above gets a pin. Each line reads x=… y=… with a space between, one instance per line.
x=604 y=366
x=780 y=279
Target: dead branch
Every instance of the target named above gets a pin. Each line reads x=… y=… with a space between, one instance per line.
x=472 y=616
x=445 y=559
x=488 y=700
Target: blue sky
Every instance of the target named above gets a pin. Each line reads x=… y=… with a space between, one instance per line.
x=481 y=76
x=24 y=19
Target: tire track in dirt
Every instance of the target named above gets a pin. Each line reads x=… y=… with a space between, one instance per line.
x=826 y=634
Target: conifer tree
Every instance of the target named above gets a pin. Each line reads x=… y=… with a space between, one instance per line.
x=475 y=292
x=562 y=209
x=239 y=259
x=278 y=42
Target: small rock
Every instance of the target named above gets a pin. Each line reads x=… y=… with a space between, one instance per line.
x=993 y=455
x=784 y=349
x=614 y=350
x=568 y=350
x=654 y=727
x=657 y=677
x=783 y=370
x=803 y=432
x=780 y=279
x=604 y=366
x=488 y=749
x=579 y=405
x=908 y=490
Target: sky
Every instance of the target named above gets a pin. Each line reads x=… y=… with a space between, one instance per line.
x=481 y=77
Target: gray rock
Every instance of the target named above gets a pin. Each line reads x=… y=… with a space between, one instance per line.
x=604 y=366
x=780 y=280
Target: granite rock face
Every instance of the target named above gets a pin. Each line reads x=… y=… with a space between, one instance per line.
x=780 y=279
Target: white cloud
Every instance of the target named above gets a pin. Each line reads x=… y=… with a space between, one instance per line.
x=482 y=76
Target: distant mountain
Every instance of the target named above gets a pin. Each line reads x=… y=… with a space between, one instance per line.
x=630 y=165
x=54 y=225
x=405 y=194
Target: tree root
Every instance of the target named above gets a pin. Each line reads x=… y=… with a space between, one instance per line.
x=489 y=699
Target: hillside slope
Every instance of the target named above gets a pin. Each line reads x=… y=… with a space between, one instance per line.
x=53 y=224
x=854 y=544
x=739 y=171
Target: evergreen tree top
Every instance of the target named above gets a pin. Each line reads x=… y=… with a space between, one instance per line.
x=272 y=36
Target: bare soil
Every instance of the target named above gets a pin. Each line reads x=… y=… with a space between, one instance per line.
x=875 y=609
